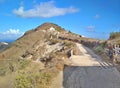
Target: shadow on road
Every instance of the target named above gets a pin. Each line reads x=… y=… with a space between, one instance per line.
x=91 y=77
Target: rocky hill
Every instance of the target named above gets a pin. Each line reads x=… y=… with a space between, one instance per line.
x=34 y=42
x=37 y=57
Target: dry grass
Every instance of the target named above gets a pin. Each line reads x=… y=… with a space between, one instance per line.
x=60 y=67
x=27 y=73
x=7 y=81
x=76 y=50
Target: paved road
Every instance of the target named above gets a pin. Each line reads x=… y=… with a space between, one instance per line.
x=90 y=71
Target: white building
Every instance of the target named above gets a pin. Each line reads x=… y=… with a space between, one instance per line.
x=52 y=29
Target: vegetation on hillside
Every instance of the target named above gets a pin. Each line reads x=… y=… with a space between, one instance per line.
x=36 y=58
x=114 y=35
x=33 y=77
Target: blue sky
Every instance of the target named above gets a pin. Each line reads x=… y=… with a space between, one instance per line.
x=91 y=18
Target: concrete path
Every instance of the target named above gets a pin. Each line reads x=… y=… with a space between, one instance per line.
x=90 y=71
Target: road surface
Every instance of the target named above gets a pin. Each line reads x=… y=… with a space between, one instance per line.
x=90 y=71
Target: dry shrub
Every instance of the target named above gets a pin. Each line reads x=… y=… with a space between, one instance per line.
x=60 y=67
x=76 y=51
x=114 y=35
x=69 y=44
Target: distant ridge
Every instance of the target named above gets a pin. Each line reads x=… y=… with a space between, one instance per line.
x=3 y=45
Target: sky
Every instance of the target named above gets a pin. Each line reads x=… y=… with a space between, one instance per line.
x=89 y=18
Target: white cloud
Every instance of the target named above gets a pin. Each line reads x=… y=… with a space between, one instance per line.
x=12 y=31
x=11 y=34
x=44 y=9
x=97 y=16
x=90 y=28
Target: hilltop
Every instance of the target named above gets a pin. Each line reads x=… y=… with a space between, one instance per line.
x=33 y=40
x=39 y=52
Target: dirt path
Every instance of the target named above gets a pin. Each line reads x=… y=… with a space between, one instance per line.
x=87 y=58
x=90 y=71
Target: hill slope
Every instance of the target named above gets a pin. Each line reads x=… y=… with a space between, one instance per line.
x=40 y=52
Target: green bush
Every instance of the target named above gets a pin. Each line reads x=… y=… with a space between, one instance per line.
x=22 y=81
x=99 y=49
x=103 y=44
x=23 y=63
x=33 y=80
